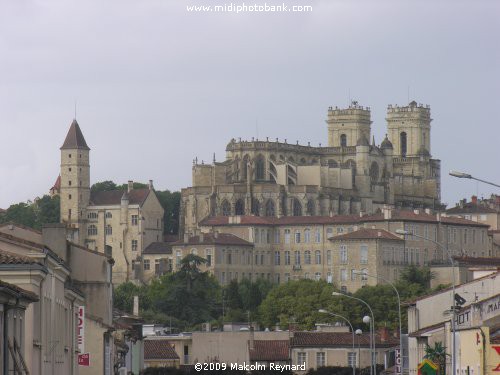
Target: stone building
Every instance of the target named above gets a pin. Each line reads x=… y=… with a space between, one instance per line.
x=118 y=223
x=349 y=176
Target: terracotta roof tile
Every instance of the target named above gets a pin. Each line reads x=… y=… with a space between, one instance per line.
x=270 y=350
x=114 y=197
x=367 y=234
x=325 y=339
x=159 y=349
x=11 y=258
x=210 y=239
x=74 y=138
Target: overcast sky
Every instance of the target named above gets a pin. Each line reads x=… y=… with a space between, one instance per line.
x=156 y=85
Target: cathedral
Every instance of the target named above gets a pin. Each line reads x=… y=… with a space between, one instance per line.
x=349 y=176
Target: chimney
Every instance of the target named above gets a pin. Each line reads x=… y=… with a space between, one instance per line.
x=387 y=212
x=136 y=306
x=428 y=211
x=384 y=334
x=130 y=185
x=379 y=234
x=150 y=185
x=474 y=199
x=252 y=338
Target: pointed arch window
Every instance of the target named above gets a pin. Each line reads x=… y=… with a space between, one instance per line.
x=255 y=207
x=260 y=169
x=343 y=140
x=239 y=207
x=270 y=211
x=297 y=208
x=226 y=208
x=403 y=143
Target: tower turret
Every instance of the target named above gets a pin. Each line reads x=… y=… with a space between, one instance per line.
x=409 y=129
x=347 y=126
x=75 y=179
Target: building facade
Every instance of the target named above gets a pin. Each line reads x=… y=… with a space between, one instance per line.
x=118 y=223
x=349 y=176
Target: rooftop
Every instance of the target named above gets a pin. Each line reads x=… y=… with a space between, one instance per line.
x=74 y=138
x=214 y=239
x=159 y=349
x=337 y=339
x=367 y=234
x=158 y=248
x=270 y=350
x=114 y=197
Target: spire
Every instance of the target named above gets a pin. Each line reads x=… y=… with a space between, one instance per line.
x=74 y=138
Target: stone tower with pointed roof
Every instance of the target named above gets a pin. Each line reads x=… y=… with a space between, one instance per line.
x=75 y=180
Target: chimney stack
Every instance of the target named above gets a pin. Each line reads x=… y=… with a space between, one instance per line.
x=150 y=185
x=130 y=185
x=474 y=199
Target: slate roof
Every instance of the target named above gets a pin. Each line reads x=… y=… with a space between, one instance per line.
x=210 y=239
x=158 y=248
x=337 y=339
x=367 y=234
x=114 y=197
x=270 y=350
x=159 y=349
x=74 y=138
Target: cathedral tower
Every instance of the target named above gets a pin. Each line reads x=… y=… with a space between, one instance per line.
x=409 y=129
x=347 y=126
x=75 y=180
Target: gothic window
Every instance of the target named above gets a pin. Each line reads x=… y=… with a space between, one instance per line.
x=109 y=230
x=283 y=205
x=239 y=207
x=374 y=172
x=92 y=230
x=310 y=207
x=270 y=208
x=109 y=215
x=260 y=168
x=343 y=140
x=255 y=207
x=226 y=208
x=297 y=207
x=403 y=144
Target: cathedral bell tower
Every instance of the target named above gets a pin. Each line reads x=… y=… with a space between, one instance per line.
x=75 y=182
x=347 y=126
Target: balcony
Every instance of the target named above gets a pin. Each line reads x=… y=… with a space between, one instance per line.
x=297 y=267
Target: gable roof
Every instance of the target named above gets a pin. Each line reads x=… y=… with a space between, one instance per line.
x=74 y=138
x=114 y=197
x=337 y=339
x=270 y=350
x=211 y=239
x=158 y=248
x=367 y=234
x=159 y=349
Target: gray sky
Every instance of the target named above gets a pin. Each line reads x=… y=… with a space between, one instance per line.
x=157 y=85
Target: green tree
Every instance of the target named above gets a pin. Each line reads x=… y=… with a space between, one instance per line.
x=33 y=214
x=103 y=186
x=170 y=202
x=437 y=354
x=417 y=275
x=47 y=210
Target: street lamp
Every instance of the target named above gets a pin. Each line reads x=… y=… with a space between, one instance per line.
x=453 y=318
x=323 y=311
x=399 y=305
x=372 y=327
x=466 y=175
x=358 y=333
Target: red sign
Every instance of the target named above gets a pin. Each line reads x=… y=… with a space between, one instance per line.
x=84 y=359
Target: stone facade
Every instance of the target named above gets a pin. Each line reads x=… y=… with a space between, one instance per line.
x=118 y=223
x=349 y=176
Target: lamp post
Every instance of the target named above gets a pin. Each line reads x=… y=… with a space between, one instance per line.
x=323 y=311
x=399 y=307
x=453 y=312
x=372 y=327
x=466 y=175
x=358 y=333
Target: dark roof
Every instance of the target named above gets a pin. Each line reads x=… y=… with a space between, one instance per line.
x=11 y=258
x=159 y=349
x=337 y=339
x=211 y=239
x=170 y=237
x=386 y=143
x=270 y=350
x=367 y=234
x=158 y=248
x=74 y=138
x=57 y=184
x=14 y=289
x=484 y=261
x=114 y=197
x=471 y=208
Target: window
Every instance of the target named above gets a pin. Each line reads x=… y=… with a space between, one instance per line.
x=302 y=358
x=223 y=278
x=287 y=235
x=351 y=359
x=69 y=196
x=353 y=275
x=343 y=254
x=226 y=208
x=297 y=257
x=329 y=257
x=157 y=266
x=343 y=140
x=297 y=236
x=340 y=230
x=108 y=215
x=270 y=211
x=277 y=258
x=329 y=232
x=318 y=257
x=287 y=277
x=320 y=359
x=239 y=207
x=208 y=255
x=287 y=258
x=405 y=259
x=317 y=276
x=92 y=230
x=329 y=278
x=92 y=215
x=364 y=273
x=277 y=278
x=69 y=182
x=146 y=265
x=403 y=144
x=229 y=257
x=276 y=236
x=307 y=257
x=363 y=254
x=343 y=274
x=109 y=230
x=134 y=245
x=318 y=236
x=343 y=289
x=307 y=235
x=135 y=219
x=297 y=207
